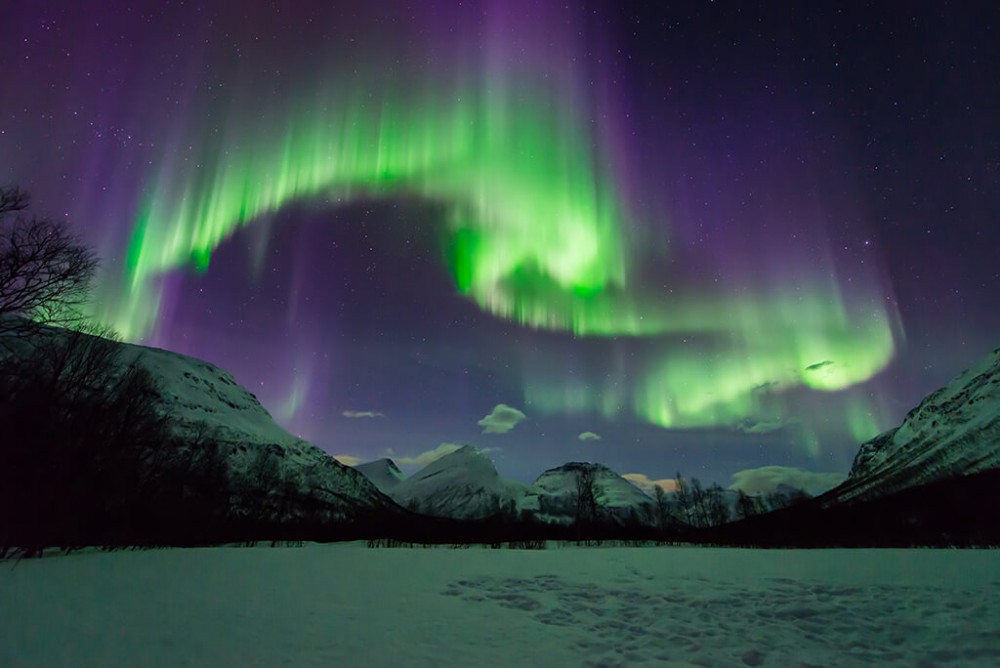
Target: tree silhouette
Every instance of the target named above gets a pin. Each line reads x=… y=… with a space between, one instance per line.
x=586 y=498
x=717 y=508
x=699 y=505
x=82 y=431
x=46 y=274
x=683 y=495
x=662 y=511
x=746 y=506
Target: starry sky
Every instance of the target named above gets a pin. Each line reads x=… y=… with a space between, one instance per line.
x=706 y=237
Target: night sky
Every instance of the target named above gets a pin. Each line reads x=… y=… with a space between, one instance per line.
x=704 y=237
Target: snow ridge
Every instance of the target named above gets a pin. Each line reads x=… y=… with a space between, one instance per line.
x=383 y=473
x=202 y=399
x=954 y=431
x=463 y=484
x=466 y=485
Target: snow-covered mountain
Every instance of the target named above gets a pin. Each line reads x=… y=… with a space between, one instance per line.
x=556 y=494
x=383 y=473
x=466 y=485
x=463 y=485
x=269 y=473
x=954 y=431
x=201 y=398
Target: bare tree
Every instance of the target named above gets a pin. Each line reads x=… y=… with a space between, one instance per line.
x=717 y=508
x=662 y=513
x=12 y=199
x=586 y=496
x=46 y=274
x=83 y=428
x=746 y=506
x=699 y=509
x=684 y=500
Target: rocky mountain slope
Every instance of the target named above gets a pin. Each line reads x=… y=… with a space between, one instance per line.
x=203 y=399
x=383 y=473
x=955 y=431
x=556 y=493
x=462 y=485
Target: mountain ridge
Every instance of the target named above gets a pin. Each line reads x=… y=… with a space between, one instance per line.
x=953 y=431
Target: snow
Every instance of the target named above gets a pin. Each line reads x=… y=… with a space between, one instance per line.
x=954 y=431
x=465 y=484
x=344 y=604
x=197 y=392
x=383 y=473
x=557 y=488
x=462 y=484
x=198 y=395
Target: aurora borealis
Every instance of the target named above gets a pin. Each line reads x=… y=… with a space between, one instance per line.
x=717 y=236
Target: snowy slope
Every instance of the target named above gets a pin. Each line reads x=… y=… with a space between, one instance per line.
x=203 y=401
x=383 y=473
x=466 y=485
x=556 y=494
x=463 y=485
x=954 y=431
x=200 y=396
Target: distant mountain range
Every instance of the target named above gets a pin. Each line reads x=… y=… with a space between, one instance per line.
x=953 y=432
x=953 y=435
x=465 y=485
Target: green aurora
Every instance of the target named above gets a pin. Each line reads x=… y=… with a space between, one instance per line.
x=535 y=232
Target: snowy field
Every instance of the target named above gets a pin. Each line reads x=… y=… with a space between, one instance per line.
x=345 y=605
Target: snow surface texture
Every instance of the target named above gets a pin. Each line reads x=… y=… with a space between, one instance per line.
x=954 y=431
x=346 y=605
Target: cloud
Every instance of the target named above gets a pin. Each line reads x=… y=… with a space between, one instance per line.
x=362 y=414
x=766 y=478
x=642 y=481
x=502 y=419
x=753 y=426
x=348 y=460
x=589 y=436
x=766 y=385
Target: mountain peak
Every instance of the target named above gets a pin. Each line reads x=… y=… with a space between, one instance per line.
x=382 y=472
x=573 y=467
x=461 y=484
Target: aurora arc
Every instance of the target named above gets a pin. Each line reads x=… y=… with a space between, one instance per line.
x=535 y=232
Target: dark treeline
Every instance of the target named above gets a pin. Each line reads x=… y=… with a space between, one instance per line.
x=957 y=512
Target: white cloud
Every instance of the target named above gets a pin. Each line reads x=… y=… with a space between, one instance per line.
x=501 y=419
x=362 y=414
x=348 y=460
x=643 y=482
x=589 y=436
x=766 y=478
